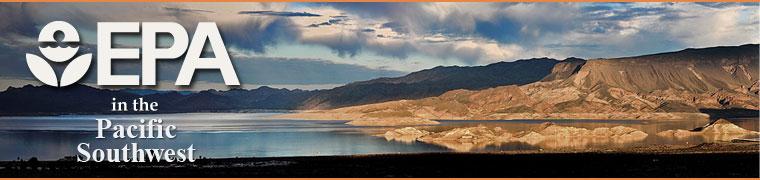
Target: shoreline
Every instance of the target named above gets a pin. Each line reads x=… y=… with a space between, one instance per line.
x=704 y=160
x=360 y=119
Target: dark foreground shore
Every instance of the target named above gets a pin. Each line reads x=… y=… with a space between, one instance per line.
x=706 y=160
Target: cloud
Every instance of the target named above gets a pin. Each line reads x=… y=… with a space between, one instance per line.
x=611 y=14
x=486 y=32
x=393 y=30
x=267 y=70
x=474 y=33
x=278 y=13
x=258 y=34
x=344 y=44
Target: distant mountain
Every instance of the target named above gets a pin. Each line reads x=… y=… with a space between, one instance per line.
x=260 y=98
x=82 y=99
x=152 y=91
x=674 y=85
x=432 y=82
x=43 y=100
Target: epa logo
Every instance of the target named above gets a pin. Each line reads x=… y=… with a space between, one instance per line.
x=64 y=49
x=58 y=52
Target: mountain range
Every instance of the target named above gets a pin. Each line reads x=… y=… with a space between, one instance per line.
x=673 y=85
x=631 y=87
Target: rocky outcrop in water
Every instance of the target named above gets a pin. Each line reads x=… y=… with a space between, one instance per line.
x=546 y=135
x=550 y=130
x=407 y=134
x=479 y=134
x=720 y=130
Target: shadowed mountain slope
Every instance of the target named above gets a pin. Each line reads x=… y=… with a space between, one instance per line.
x=432 y=82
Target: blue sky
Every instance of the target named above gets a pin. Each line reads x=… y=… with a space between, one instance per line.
x=328 y=44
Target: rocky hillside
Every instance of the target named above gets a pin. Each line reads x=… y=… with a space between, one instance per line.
x=432 y=82
x=692 y=70
x=673 y=85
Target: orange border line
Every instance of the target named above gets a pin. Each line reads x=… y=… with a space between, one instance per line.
x=378 y=1
x=382 y=178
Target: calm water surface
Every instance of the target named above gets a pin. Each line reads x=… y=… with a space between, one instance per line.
x=219 y=135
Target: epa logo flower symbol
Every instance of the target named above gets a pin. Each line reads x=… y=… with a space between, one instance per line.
x=74 y=71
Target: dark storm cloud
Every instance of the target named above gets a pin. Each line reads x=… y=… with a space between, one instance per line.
x=256 y=35
x=17 y=28
x=320 y=24
x=332 y=21
x=396 y=26
x=16 y=19
x=185 y=10
x=501 y=30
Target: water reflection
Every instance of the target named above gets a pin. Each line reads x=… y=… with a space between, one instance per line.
x=256 y=135
x=565 y=141
x=721 y=130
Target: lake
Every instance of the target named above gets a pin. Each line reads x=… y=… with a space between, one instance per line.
x=221 y=135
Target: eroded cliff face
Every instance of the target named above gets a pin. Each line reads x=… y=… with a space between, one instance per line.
x=692 y=70
x=565 y=69
x=662 y=86
x=684 y=81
